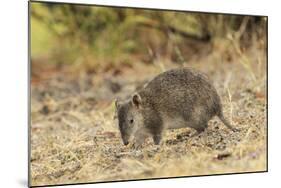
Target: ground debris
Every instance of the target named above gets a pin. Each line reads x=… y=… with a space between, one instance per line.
x=75 y=138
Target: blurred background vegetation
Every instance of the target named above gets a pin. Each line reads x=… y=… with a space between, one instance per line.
x=100 y=38
x=84 y=57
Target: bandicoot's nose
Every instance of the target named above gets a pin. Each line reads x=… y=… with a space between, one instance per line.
x=125 y=143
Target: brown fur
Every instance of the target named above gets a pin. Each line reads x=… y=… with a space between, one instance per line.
x=174 y=99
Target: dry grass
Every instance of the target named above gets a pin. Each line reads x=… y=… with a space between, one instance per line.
x=74 y=137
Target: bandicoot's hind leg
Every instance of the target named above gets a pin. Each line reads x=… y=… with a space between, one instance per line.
x=200 y=127
x=225 y=121
x=200 y=123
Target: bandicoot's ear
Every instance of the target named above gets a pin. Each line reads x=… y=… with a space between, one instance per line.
x=136 y=100
x=117 y=103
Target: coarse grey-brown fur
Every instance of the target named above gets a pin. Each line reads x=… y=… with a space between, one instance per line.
x=174 y=99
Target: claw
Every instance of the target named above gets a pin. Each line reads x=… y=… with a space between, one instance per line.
x=136 y=146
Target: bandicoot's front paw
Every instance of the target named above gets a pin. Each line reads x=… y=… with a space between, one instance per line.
x=136 y=146
x=235 y=129
x=157 y=139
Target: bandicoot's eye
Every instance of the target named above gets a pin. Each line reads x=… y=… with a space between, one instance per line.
x=131 y=121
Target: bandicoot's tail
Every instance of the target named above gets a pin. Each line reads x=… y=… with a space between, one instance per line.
x=226 y=122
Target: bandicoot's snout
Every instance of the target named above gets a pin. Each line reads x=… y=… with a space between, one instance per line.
x=125 y=137
x=125 y=142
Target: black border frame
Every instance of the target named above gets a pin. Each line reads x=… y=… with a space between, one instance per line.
x=142 y=8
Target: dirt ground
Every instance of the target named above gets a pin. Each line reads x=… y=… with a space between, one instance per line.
x=75 y=138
